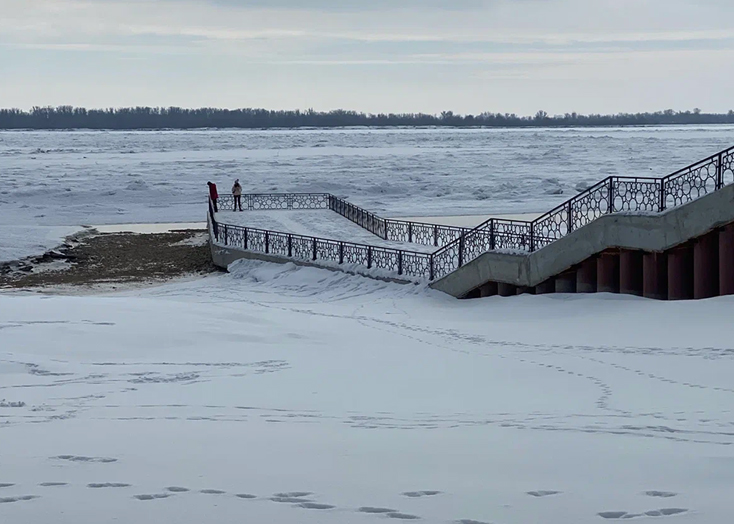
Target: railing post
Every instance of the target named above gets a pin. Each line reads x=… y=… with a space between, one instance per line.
x=492 y=238
x=289 y=201
x=435 y=235
x=314 y=248
x=662 y=195
x=410 y=232
x=341 y=252
x=431 y=269
x=400 y=262
x=245 y=237
x=532 y=237
x=461 y=249
x=569 y=216
x=720 y=171
x=369 y=257
x=267 y=242
x=387 y=226
x=290 y=245
x=611 y=195
x=226 y=235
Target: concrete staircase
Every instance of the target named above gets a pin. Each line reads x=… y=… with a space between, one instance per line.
x=685 y=252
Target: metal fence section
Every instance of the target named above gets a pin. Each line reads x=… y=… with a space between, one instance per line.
x=369 y=221
x=399 y=262
x=617 y=194
x=277 y=201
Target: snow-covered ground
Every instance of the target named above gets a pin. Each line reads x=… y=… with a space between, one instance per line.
x=321 y=223
x=70 y=178
x=293 y=395
x=19 y=241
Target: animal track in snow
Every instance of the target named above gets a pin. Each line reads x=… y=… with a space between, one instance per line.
x=9 y=500
x=177 y=489
x=469 y=521
x=153 y=497
x=52 y=484
x=212 y=492
x=246 y=496
x=108 y=485
x=419 y=494
x=623 y=515
x=543 y=493
x=5 y=485
x=75 y=458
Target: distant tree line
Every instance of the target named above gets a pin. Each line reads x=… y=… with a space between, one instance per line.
x=68 y=117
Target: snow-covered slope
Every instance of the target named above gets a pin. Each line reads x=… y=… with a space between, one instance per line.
x=293 y=395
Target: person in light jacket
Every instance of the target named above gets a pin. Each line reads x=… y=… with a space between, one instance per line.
x=237 y=193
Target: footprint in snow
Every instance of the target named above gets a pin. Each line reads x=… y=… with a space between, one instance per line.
x=624 y=515
x=153 y=497
x=370 y=509
x=661 y=494
x=314 y=505
x=10 y=500
x=402 y=516
x=419 y=494
x=543 y=493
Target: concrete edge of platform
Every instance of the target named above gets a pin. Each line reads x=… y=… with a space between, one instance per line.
x=223 y=256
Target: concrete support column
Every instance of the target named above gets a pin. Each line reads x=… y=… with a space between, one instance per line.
x=549 y=286
x=607 y=273
x=630 y=273
x=655 y=276
x=506 y=290
x=586 y=276
x=488 y=290
x=726 y=260
x=680 y=273
x=706 y=266
x=566 y=282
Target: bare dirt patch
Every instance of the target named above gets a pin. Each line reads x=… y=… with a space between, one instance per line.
x=125 y=258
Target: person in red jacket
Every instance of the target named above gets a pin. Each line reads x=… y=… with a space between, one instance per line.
x=213 y=195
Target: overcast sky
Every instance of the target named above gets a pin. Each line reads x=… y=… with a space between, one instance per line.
x=370 y=55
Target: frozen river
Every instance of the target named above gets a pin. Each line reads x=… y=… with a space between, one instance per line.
x=70 y=178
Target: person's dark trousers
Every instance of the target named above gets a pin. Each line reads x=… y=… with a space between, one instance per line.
x=214 y=201
x=237 y=203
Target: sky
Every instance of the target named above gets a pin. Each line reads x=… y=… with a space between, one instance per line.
x=467 y=56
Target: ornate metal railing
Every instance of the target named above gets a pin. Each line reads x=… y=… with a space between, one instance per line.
x=403 y=263
x=615 y=194
x=369 y=221
x=277 y=201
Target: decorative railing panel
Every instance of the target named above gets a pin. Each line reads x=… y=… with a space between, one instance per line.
x=692 y=182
